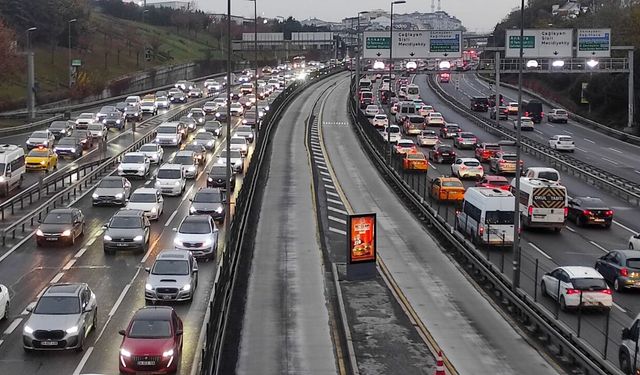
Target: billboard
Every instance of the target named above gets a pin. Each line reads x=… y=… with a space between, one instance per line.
x=312 y=36
x=362 y=238
x=594 y=43
x=540 y=43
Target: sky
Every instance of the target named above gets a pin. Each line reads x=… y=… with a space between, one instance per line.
x=476 y=15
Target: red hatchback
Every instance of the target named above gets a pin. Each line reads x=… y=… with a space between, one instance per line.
x=494 y=182
x=152 y=342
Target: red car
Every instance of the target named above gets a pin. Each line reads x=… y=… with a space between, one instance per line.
x=494 y=182
x=152 y=342
x=486 y=151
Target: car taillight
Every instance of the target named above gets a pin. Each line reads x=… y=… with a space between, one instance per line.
x=463 y=167
x=481 y=231
x=530 y=210
x=566 y=211
x=526 y=114
x=606 y=291
x=502 y=161
x=572 y=291
x=624 y=272
x=587 y=213
x=609 y=213
x=541 y=114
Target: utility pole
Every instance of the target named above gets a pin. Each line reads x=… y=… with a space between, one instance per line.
x=359 y=48
x=391 y=69
x=31 y=77
x=69 y=57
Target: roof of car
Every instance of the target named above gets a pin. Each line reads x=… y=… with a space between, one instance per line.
x=154 y=313
x=464 y=160
x=173 y=254
x=171 y=166
x=134 y=154
x=197 y=218
x=63 y=211
x=185 y=152
x=64 y=289
x=146 y=190
x=128 y=212
x=581 y=272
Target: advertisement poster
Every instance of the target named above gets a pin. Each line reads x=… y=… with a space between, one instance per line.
x=362 y=238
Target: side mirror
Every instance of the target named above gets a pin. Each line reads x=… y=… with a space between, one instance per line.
x=122 y=332
x=148 y=269
x=179 y=332
x=29 y=308
x=104 y=227
x=88 y=309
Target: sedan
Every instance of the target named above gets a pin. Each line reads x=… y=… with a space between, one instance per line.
x=526 y=123
x=620 y=268
x=589 y=211
x=450 y=131
x=380 y=121
x=494 y=182
x=575 y=286
x=198 y=115
x=69 y=146
x=173 y=277
x=148 y=200
x=61 y=129
x=60 y=225
x=40 y=138
x=562 y=143
x=152 y=342
x=134 y=164
x=442 y=154
x=206 y=139
x=199 y=151
x=465 y=140
x=153 y=152
x=371 y=110
x=404 y=146
x=112 y=190
x=199 y=235
x=214 y=127
x=503 y=162
x=428 y=138
x=467 y=168
x=5 y=300
x=209 y=201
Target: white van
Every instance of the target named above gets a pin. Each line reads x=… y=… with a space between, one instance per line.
x=365 y=83
x=543 y=173
x=413 y=92
x=404 y=110
x=12 y=167
x=543 y=203
x=487 y=216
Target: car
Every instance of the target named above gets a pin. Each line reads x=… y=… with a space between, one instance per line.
x=210 y=107
x=239 y=143
x=450 y=131
x=252 y=98
x=512 y=108
x=394 y=108
x=503 y=113
x=149 y=106
x=199 y=235
x=148 y=200
x=189 y=123
x=413 y=124
x=85 y=119
x=486 y=150
x=220 y=102
x=104 y=110
x=184 y=85
x=214 y=127
x=162 y=101
x=586 y=211
x=69 y=146
x=61 y=319
x=97 y=131
x=173 y=277
x=494 y=182
x=212 y=85
x=168 y=133
x=447 y=189
x=120 y=106
x=245 y=131
x=237 y=161
x=111 y=190
x=235 y=96
x=177 y=96
x=558 y=115
x=467 y=168
x=187 y=159
x=218 y=177
x=60 y=225
x=249 y=119
x=442 y=153
x=126 y=230
x=5 y=301
x=428 y=138
x=371 y=110
x=195 y=92
x=577 y=286
x=562 y=143
x=153 y=152
x=200 y=152
x=479 y=104
x=170 y=179
x=237 y=109
x=134 y=164
x=504 y=162
x=424 y=110
x=198 y=115
x=380 y=120
x=415 y=161
x=404 y=146
x=114 y=119
x=209 y=201
x=152 y=342
x=61 y=129
x=391 y=134
x=132 y=113
x=435 y=119
x=621 y=268
x=206 y=139
x=465 y=140
x=41 y=159
x=133 y=100
x=221 y=114
x=84 y=136
x=526 y=123
x=42 y=138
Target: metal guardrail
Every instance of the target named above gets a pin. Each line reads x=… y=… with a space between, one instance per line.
x=31 y=125
x=539 y=321
x=618 y=186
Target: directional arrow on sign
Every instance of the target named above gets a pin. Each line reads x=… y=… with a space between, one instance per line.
x=378 y=54
x=446 y=54
x=555 y=53
x=411 y=54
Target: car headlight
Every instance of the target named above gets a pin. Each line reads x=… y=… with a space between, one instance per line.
x=244 y=121
x=43 y=162
x=119 y=195
x=99 y=134
x=107 y=237
x=72 y=330
x=154 y=210
x=177 y=242
x=27 y=330
x=66 y=233
x=219 y=210
x=207 y=243
x=120 y=168
x=39 y=233
x=95 y=196
x=192 y=168
x=210 y=143
x=104 y=121
x=217 y=114
x=28 y=142
x=124 y=352
x=168 y=353
x=192 y=210
x=137 y=238
x=73 y=150
x=141 y=168
x=177 y=183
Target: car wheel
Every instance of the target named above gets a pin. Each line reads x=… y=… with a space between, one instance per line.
x=563 y=304
x=617 y=287
x=625 y=362
x=630 y=246
x=543 y=288
x=580 y=221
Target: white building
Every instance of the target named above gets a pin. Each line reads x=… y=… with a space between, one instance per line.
x=184 y=5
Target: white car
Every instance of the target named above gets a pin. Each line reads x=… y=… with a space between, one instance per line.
x=5 y=299
x=220 y=102
x=558 y=115
x=212 y=85
x=634 y=242
x=97 y=130
x=245 y=131
x=149 y=106
x=170 y=179
x=526 y=123
x=199 y=235
x=133 y=100
x=467 y=168
x=425 y=110
x=163 y=102
x=562 y=143
x=210 y=107
x=380 y=121
x=428 y=138
x=371 y=110
x=168 y=133
x=148 y=200
x=394 y=134
x=239 y=143
x=237 y=161
x=188 y=161
x=134 y=164
x=153 y=152
x=236 y=109
x=42 y=138
x=85 y=119
x=571 y=284
x=434 y=119
x=512 y=108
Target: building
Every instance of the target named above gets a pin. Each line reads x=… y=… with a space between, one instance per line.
x=183 y=5
x=380 y=20
x=570 y=9
x=238 y=20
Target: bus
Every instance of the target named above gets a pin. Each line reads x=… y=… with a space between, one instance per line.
x=299 y=62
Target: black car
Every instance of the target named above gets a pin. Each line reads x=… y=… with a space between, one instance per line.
x=218 y=176
x=208 y=140
x=121 y=106
x=200 y=152
x=60 y=225
x=249 y=118
x=189 y=122
x=61 y=129
x=479 y=104
x=221 y=114
x=442 y=154
x=589 y=211
x=69 y=146
x=127 y=230
x=621 y=268
x=533 y=108
x=214 y=127
x=85 y=138
x=209 y=201
x=114 y=120
x=177 y=96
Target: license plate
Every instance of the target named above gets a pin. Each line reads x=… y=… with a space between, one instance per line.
x=51 y=239
x=49 y=343
x=166 y=297
x=146 y=363
x=122 y=244
x=598 y=220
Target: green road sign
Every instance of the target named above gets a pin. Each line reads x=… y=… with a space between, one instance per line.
x=76 y=62
x=529 y=41
x=378 y=42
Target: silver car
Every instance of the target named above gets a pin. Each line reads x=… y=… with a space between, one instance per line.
x=61 y=319
x=187 y=159
x=173 y=277
x=112 y=190
x=199 y=235
x=154 y=152
x=127 y=230
x=245 y=131
x=237 y=161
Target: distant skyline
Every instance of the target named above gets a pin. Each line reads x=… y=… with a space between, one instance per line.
x=475 y=15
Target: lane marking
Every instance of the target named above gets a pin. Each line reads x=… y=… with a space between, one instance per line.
x=69 y=264
x=625 y=227
x=337 y=210
x=341 y=221
x=615 y=150
x=326 y=179
x=335 y=201
x=581 y=149
x=324 y=173
x=120 y=298
x=30 y=305
x=332 y=193
x=83 y=361
x=56 y=278
x=187 y=193
x=91 y=241
x=539 y=250
x=598 y=246
x=537 y=131
x=570 y=229
x=619 y=307
x=322 y=167
x=568 y=132
x=12 y=327
x=339 y=231
x=16 y=246
x=80 y=252
x=330 y=186
x=590 y=141
x=170 y=218
x=609 y=160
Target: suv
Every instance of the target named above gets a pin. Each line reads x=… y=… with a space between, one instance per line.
x=209 y=201
x=112 y=190
x=61 y=318
x=199 y=235
x=127 y=230
x=218 y=176
x=173 y=277
x=479 y=104
x=558 y=115
x=168 y=133
x=170 y=179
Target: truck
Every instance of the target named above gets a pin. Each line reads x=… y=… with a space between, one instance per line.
x=543 y=203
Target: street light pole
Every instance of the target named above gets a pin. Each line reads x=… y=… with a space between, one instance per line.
x=31 y=77
x=516 y=216
x=255 y=62
x=391 y=69
x=359 y=48
x=227 y=220
x=69 y=57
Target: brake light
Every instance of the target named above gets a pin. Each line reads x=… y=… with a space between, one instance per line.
x=526 y=114
x=502 y=161
x=572 y=291
x=481 y=231
x=463 y=167
x=609 y=213
x=530 y=210
x=606 y=291
x=541 y=114
x=566 y=211
x=587 y=213
x=624 y=272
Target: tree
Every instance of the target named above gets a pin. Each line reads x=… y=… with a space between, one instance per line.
x=8 y=51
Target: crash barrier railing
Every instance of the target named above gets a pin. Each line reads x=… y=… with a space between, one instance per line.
x=26 y=223
x=209 y=357
x=32 y=125
x=623 y=136
x=616 y=185
x=414 y=189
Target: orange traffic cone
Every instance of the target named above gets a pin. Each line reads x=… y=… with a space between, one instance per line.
x=440 y=365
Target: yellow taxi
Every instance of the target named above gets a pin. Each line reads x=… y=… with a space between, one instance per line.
x=448 y=189
x=41 y=159
x=415 y=161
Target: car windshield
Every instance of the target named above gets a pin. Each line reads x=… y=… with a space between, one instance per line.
x=492 y=147
x=633 y=262
x=405 y=144
x=39 y=135
x=467 y=135
x=509 y=157
x=58 y=305
x=58 y=218
x=107 y=109
x=133 y=159
x=183 y=160
x=471 y=163
x=195 y=227
x=143 y=198
x=197 y=114
x=149 y=148
x=244 y=129
x=170 y=267
x=394 y=129
x=435 y=115
x=589 y=284
x=549 y=175
x=444 y=149
x=169 y=174
x=58 y=125
x=416 y=120
x=205 y=136
x=381 y=117
x=452 y=128
x=561 y=112
x=39 y=153
x=498 y=182
x=167 y=129
x=238 y=141
x=415 y=156
x=86 y=116
x=110 y=183
x=125 y=222
x=149 y=329
x=67 y=142
x=207 y=198
x=565 y=139
x=113 y=114
x=161 y=99
x=452 y=184
x=234 y=155
x=218 y=171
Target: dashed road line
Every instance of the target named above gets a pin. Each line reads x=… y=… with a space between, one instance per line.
x=571 y=229
x=619 y=308
x=12 y=327
x=332 y=193
x=615 y=150
x=80 y=252
x=337 y=210
x=326 y=179
x=31 y=305
x=83 y=361
x=91 y=241
x=598 y=246
x=330 y=186
x=170 y=219
x=69 y=264
x=335 y=201
x=57 y=278
x=590 y=141
x=609 y=160
x=625 y=227
x=539 y=250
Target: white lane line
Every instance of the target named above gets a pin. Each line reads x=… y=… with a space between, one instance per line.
x=80 y=252
x=326 y=179
x=321 y=167
x=329 y=186
x=539 y=250
x=320 y=161
x=625 y=227
x=570 y=229
x=30 y=305
x=16 y=246
x=170 y=218
x=609 y=160
x=619 y=307
x=581 y=149
x=432 y=166
x=324 y=173
x=335 y=201
x=537 y=131
x=91 y=241
x=83 y=361
x=119 y=300
x=598 y=246
x=332 y=193
x=69 y=265
x=590 y=141
x=147 y=183
x=339 y=231
x=341 y=221
x=1 y=341
x=12 y=327
x=40 y=293
x=637 y=171
x=337 y=210
x=553 y=126
x=615 y=150
x=187 y=194
x=57 y=278
x=568 y=132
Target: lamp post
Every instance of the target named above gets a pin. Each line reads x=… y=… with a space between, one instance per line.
x=391 y=68
x=69 y=57
x=516 y=216
x=255 y=62
x=359 y=47
x=31 y=77
x=227 y=211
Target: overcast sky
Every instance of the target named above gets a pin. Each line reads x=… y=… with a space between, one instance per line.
x=475 y=15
